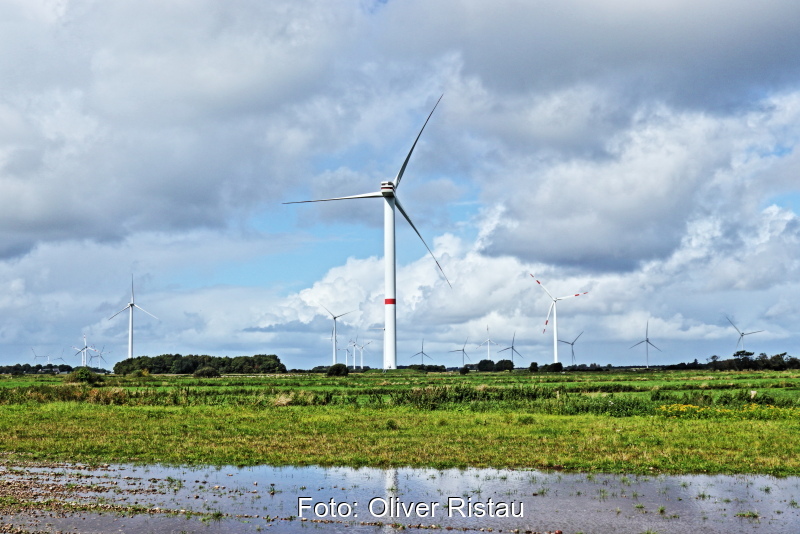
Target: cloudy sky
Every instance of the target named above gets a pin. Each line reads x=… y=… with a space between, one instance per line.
x=644 y=152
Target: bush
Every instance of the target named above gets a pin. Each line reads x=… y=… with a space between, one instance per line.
x=83 y=375
x=139 y=373
x=464 y=370
x=486 y=366
x=206 y=372
x=534 y=368
x=504 y=365
x=338 y=369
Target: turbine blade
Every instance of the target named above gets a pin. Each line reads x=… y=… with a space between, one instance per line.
x=541 y=284
x=408 y=157
x=546 y=321
x=505 y=349
x=400 y=207
x=733 y=325
x=327 y=310
x=147 y=312
x=748 y=333
x=365 y=195
x=649 y=343
x=570 y=296
x=639 y=343
x=579 y=335
x=342 y=315
x=122 y=310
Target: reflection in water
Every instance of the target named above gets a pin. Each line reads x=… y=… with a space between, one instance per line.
x=295 y=499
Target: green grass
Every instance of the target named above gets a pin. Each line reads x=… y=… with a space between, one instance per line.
x=498 y=420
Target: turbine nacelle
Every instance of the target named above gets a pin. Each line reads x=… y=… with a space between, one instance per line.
x=387 y=189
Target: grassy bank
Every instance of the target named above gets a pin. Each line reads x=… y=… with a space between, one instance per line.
x=655 y=422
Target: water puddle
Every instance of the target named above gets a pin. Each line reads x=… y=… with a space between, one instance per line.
x=309 y=499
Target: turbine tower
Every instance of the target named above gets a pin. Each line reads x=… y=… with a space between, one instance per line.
x=555 y=320
x=131 y=305
x=741 y=334
x=463 y=351
x=512 y=349
x=572 y=346
x=647 y=345
x=333 y=335
x=389 y=194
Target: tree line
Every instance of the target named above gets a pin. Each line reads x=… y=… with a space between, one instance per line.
x=186 y=365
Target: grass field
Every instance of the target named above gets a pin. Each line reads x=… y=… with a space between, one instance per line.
x=633 y=422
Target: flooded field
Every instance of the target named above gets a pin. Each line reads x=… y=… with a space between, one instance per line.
x=143 y=499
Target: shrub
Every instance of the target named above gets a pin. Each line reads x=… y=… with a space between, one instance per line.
x=139 y=373
x=464 y=370
x=534 y=368
x=338 y=369
x=504 y=365
x=83 y=375
x=206 y=372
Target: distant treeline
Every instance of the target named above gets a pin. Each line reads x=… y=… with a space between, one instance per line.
x=744 y=361
x=27 y=369
x=186 y=365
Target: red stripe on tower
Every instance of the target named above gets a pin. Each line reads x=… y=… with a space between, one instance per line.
x=391 y=301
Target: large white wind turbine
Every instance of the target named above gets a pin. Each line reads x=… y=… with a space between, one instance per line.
x=389 y=194
x=131 y=305
x=572 y=346
x=647 y=344
x=333 y=334
x=555 y=320
x=741 y=334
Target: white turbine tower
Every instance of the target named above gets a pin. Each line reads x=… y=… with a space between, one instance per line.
x=647 y=344
x=555 y=320
x=741 y=334
x=488 y=344
x=389 y=194
x=333 y=334
x=572 y=346
x=131 y=305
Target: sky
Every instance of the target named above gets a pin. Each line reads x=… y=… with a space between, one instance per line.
x=645 y=153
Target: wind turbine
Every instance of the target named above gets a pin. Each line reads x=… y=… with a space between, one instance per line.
x=131 y=305
x=333 y=335
x=422 y=355
x=36 y=356
x=572 y=346
x=84 y=352
x=463 y=351
x=555 y=321
x=512 y=349
x=488 y=343
x=741 y=334
x=389 y=194
x=647 y=343
x=361 y=349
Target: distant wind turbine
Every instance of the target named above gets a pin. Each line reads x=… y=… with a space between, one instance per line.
x=463 y=351
x=572 y=346
x=647 y=343
x=84 y=352
x=333 y=334
x=131 y=305
x=488 y=344
x=422 y=355
x=512 y=349
x=555 y=320
x=37 y=356
x=389 y=194
x=741 y=334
